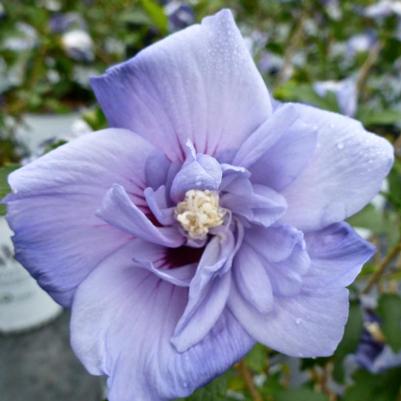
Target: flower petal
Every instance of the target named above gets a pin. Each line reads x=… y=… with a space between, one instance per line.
x=300 y=326
x=198 y=84
x=337 y=255
x=267 y=134
x=58 y=237
x=157 y=203
x=118 y=210
x=256 y=203
x=204 y=172
x=153 y=258
x=252 y=280
x=346 y=172
x=122 y=322
x=208 y=293
x=286 y=274
x=180 y=276
x=281 y=164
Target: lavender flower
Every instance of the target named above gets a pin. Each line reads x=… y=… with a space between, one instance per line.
x=203 y=220
x=60 y=22
x=360 y=43
x=180 y=15
x=270 y=63
x=78 y=45
x=372 y=353
x=345 y=92
x=383 y=8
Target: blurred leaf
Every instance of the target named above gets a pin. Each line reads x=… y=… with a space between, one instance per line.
x=350 y=341
x=257 y=358
x=214 y=391
x=300 y=394
x=369 y=217
x=378 y=117
x=137 y=17
x=156 y=14
x=273 y=385
x=374 y=387
x=95 y=118
x=389 y=311
x=4 y=187
x=293 y=91
x=394 y=180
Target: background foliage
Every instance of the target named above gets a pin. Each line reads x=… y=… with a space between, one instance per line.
x=49 y=48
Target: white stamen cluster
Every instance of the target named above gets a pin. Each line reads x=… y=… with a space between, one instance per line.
x=198 y=212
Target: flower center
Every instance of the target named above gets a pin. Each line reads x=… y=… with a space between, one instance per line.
x=198 y=212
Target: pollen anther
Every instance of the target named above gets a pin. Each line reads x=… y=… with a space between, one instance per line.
x=199 y=212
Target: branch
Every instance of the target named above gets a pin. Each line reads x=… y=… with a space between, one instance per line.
x=293 y=44
x=367 y=66
x=382 y=267
x=248 y=379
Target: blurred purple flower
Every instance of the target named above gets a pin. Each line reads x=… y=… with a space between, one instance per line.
x=333 y=8
x=383 y=9
x=345 y=92
x=270 y=63
x=78 y=45
x=60 y=22
x=204 y=220
x=25 y=38
x=372 y=353
x=180 y=15
x=360 y=43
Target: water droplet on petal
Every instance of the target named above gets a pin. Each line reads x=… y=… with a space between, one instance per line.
x=298 y=321
x=340 y=145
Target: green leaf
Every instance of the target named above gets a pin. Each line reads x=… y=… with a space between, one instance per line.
x=378 y=387
x=214 y=391
x=350 y=341
x=156 y=14
x=257 y=358
x=378 y=117
x=4 y=187
x=394 y=180
x=369 y=217
x=389 y=311
x=300 y=394
x=293 y=91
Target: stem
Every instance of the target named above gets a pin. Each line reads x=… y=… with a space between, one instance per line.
x=248 y=379
x=320 y=377
x=293 y=44
x=382 y=267
x=369 y=63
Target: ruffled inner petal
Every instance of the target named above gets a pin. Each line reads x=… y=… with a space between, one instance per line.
x=118 y=210
x=199 y=172
x=287 y=265
x=257 y=204
x=252 y=280
x=208 y=292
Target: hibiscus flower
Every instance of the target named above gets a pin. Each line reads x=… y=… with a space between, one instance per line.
x=205 y=219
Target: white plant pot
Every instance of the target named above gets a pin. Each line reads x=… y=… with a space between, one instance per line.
x=23 y=304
